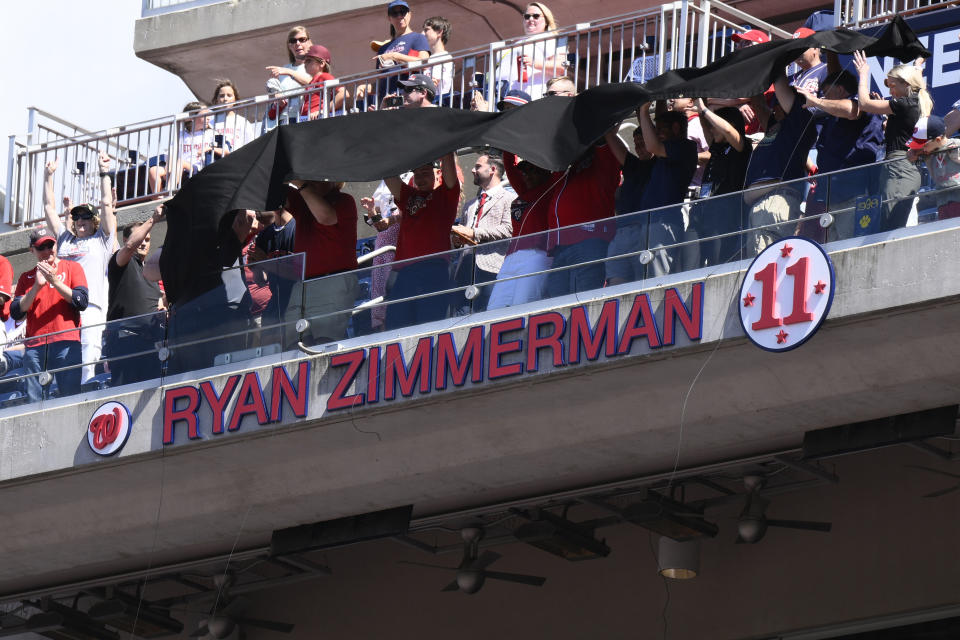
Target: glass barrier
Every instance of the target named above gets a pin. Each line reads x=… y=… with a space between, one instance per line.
x=267 y=308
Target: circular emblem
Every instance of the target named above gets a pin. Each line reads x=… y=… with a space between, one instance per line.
x=109 y=428
x=786 y=294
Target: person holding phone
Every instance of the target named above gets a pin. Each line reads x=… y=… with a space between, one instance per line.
x=230 y=130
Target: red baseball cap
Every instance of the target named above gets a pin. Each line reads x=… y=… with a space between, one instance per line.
x=803 y=32
x=319 y=52
x=753 y=35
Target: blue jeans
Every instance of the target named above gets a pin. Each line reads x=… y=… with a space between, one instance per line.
x=56 y=355
x=577 y=279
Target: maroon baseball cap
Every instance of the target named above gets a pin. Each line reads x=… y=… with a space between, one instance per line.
x=803 y=32
x=319 y=52
x=41 y=235
x=753 y=35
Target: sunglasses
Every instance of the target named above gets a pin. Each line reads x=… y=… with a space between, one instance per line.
x=558 y=93
x=82 y=212
x=397 y=13
x=532 y=16
x=44 y=246
x=412 y=89
x=299 y=40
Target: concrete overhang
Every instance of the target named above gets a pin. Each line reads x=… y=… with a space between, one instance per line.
x=890 y=346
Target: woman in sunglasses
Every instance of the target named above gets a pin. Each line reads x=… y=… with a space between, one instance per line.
x=289 y=77
x=536 y=58
x=89 y=240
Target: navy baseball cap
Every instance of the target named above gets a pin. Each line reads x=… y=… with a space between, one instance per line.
x=515 y=97
x=397 y=3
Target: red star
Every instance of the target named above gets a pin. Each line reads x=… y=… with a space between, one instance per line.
x=819 y=287
x=748 y=300
x=785 y=251
x=782 y=336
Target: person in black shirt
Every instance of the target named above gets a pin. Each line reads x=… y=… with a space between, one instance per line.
x=276 y=241
x=726 y=171
x=133 y=296
x=908 y=102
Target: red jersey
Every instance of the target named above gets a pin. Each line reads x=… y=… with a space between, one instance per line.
x=329 y=248
x=529 y=211
x=315 y=101
x=425 y=221
x=6 y=286
x=50 y=312
x=585 y=194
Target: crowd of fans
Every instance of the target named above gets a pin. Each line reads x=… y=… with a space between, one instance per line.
x=528 y=233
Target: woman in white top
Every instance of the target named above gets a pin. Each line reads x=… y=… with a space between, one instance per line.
x=289 y=77
x=534 y=60
x=231 y=131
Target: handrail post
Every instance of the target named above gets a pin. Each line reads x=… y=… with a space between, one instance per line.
x=703 y=37
x=491 y=88
x=662 y=53
x=837 y=13
x=31 y=124
x=8 y=194
x=681 y=60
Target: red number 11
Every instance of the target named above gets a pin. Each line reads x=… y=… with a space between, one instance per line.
x=800 y=270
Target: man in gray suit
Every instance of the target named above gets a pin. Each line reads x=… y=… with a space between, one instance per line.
x=486 y=221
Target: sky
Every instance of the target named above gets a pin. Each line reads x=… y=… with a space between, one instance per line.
x=74 y=59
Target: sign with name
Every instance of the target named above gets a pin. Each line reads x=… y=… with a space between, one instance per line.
x=109 y=428
x=786 y=294
x=386 y=373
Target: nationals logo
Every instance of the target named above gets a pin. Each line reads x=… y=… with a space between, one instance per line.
x=786 y=294
x=109 y=428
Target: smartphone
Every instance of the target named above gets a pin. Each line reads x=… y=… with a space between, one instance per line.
x=218 y=140
x=81 y=167
x=478 y=79
x=392 y=101
x=132 y=156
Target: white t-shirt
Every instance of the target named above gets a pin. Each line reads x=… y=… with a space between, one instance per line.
x=236 y=131
x=93 y=255
x=695 y=133
x=532 y=81
x=279 y=86
x=194 y=146
x=442 y=73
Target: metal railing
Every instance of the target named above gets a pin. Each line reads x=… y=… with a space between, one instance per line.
x=854 y=14
x=151 y=159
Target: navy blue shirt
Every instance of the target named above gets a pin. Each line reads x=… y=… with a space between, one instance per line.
x=782 y=153
x=847 y=143
x=671 y=175
x=636 y=176
x=277 y=241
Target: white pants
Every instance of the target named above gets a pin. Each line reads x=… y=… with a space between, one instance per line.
x=507 y=293
x=91 y=339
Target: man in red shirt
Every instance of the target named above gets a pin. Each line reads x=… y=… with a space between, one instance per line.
x=327 y=234
x=426 y=211
x=51 y=298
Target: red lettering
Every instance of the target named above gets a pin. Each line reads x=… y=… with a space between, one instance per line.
x=338 y=398
x=188 y=413
x=373 y=375
x=249 y=400
x=593 y=338
x=640 y=324
x=800 y=270
x=282 y=387
x=552 y=341
x=768 y=298
x=218 y=404
x=691 y=319
x=499 y=349
x=470 y=357
x=396 y=370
